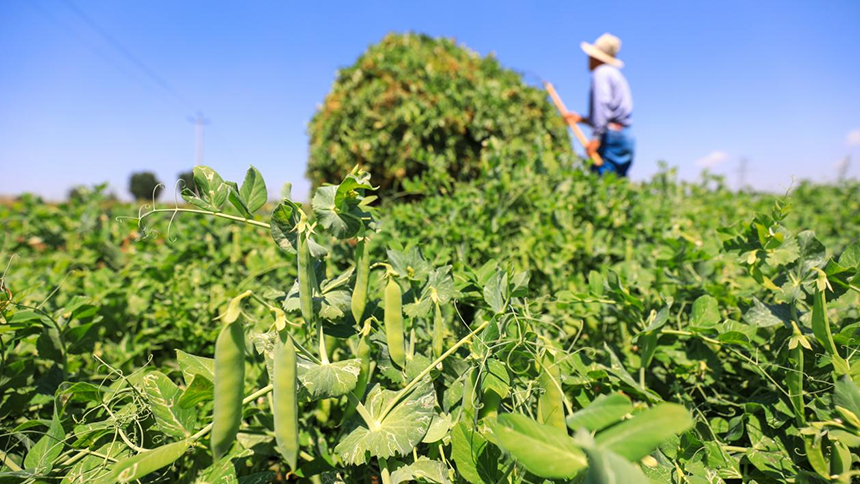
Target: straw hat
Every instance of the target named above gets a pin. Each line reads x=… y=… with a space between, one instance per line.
x=604 y=49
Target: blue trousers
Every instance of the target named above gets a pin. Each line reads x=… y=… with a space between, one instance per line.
x=616 y=149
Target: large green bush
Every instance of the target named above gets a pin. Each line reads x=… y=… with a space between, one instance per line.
x=415 y=111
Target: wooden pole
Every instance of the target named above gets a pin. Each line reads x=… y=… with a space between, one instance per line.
x=577 y=131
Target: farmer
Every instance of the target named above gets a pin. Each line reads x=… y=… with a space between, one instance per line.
x=610 y=107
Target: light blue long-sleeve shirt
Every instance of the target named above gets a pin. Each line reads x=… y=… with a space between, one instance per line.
x=610 y=99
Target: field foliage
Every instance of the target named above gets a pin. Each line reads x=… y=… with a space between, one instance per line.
x=552 y=326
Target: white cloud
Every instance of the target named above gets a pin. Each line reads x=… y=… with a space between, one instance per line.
x=853 y=138
x=713 y=159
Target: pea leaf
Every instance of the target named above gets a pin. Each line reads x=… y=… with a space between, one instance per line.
x=163 y=396
x=607 y=467
x=706 y=312
x=283 y=223
x=40 y=459
x=847 y=395
x=210 y=187
x=195 y=365
x=337 y=207
x=495 y=378
x=544 y=450
x=477 y=461
x=328 y=380
x=604 y=411
x=635 y=438
x=422 y=470
x=253 y=190
x=395 y=434
x=199 y=390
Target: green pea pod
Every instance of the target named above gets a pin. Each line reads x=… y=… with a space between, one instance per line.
x=363 y=354
x=438 y=332
x=821 y=330
x=794 y=376
x=306 y=277
x=285 y=401
x=470 y=396
x=551 y=402
x=840 y=458
x=229 y=387
x=145 y=463
x=394 y=322
x=362 y=277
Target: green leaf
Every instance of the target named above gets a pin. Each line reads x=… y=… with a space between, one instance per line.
x=222 y=471
x=495 y=291
x=607 y=467
x=495 y=377
x=199 y=390
x=850 y=257
x=409 y=264
x=477 y=461
x=847 y=395
x=145 y=463
x=163 y=396
x=761 y=316
x=635 y=438
x=395 y=434
x=439 y=427
x=253 y=190
x=706 y=312
x=544 y=450
x=237 y=201
x=40 y=459
x=210 y=186
x=328 y=380
x=422 y=470
x=91 y=467
x=604 y=411
x=284 y=222
x=195 y=365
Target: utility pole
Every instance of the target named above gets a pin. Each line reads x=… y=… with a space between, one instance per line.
x=842 y=168
x=742 y=172
x=199 y=121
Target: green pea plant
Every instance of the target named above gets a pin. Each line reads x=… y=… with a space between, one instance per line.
x=386 y=369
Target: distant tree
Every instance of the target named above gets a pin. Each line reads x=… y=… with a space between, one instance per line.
x=77 y=193
x=143 y=185
x=188 y=178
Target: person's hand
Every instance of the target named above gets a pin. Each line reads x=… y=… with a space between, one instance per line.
x=591 y=150
x=572 y=118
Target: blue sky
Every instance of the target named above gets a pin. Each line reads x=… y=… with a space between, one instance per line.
x=775 y=82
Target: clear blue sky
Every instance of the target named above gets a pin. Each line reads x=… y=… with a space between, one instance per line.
x=777 y=82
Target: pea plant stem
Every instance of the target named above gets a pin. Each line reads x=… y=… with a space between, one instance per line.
x=415 y=381
x=207 y=212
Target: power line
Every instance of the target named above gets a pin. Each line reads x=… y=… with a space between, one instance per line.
x=128 y=55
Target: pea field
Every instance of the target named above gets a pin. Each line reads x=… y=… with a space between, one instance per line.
x=542 y=325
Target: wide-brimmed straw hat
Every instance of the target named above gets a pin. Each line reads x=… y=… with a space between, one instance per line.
x=604 y=49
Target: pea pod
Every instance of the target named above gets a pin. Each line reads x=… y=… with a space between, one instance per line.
x=470 y=396
x=306 y=277
x=551 y=402
x=794 y=376
x=438 y=332
x=145 y=463
x=394 y=322
x=363 y=354
x=285 y=400
x=229 y=387
x=362 y=277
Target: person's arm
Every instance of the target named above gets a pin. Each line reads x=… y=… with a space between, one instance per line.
x=575 y=118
